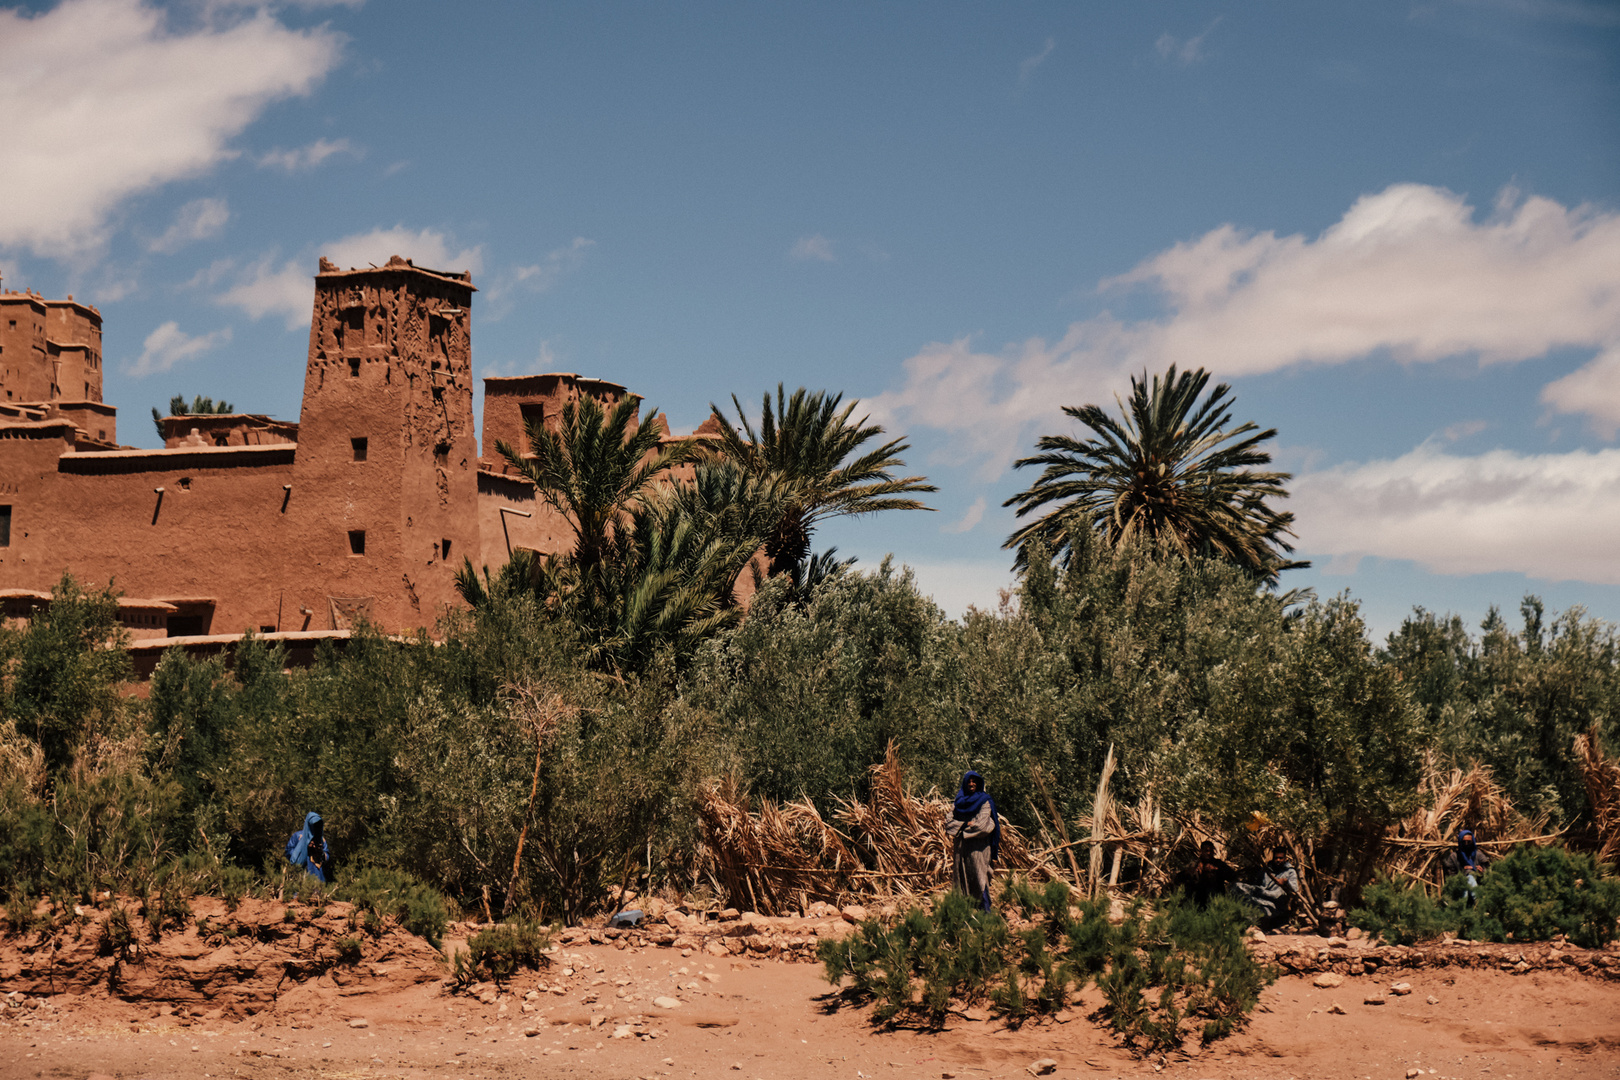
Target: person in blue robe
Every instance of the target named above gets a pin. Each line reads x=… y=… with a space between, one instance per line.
x=975 y=834
x=307 y=848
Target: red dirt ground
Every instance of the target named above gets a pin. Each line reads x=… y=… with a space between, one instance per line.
x=764 y=1019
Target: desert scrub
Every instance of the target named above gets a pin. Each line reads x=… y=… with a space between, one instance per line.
x=1164 y=974
x=1533 y=894
x=1401 y=913
x=379 y=893
x=348 y=950
x=497 y=953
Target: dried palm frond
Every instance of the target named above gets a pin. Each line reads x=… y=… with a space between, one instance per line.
x=1602 y=776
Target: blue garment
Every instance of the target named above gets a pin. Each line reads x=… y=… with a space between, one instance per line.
x=967 y=808
x=302 y=844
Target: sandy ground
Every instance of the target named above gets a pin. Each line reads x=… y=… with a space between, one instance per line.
x=765 y=1019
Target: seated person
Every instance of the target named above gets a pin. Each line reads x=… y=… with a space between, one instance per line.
x=1206 y=877
x=1273 y=893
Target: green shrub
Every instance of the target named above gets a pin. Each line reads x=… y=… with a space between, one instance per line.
x=419 y=909
x=1402 y=912
x=117 y=935
x=498 y=952
x=1160 y=973
x=348 y=950
x=1535 y=894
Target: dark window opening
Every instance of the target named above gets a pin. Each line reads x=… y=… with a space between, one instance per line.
x=185 y=483
x=441 y=455
x=534 y=414
x=357 y=541
x=222 y=439
x=359 y=445
x=354 y=367
x=186 y=626
x=267 y=629
x=5 y=526
x=444 y=549
x=355 y=319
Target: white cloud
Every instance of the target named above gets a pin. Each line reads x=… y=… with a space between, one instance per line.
x=1185 y=52
x=169 y=345
x=105 y=101
x=955 y=585
x=969 y=520
x=1549 y=516
x=288 y=290
x=427 y=248
x=1027 y=66
x=815 y=248
x=199 y=219
x=265 y=289
x=1408 y=271
x=304 y=158
x=1593 y=390
x=534 y=278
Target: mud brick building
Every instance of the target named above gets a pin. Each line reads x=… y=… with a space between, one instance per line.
x=364 y=508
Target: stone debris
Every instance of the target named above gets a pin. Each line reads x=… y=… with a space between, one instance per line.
x=1328 y=980
x=1401 y=989
x=1336 y=1009
x=1043 y=1067
x=359 y=1022
x=666 y=1003
x=1372 y=999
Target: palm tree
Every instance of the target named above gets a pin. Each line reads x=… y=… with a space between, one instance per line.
x=594 y=470
x=198 y=406
x=1170 y=469
x=806 y=441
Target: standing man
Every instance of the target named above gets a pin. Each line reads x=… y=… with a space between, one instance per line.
x=975 y=834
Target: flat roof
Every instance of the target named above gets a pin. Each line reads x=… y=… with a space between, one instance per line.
x=396 y=264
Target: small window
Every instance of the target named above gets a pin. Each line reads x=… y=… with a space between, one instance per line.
x=222 y=439
x=359 y=445
x=354 y=367
x=355 y=319
x=534 y=415
x=267 y=629
x=441 y=455
x=5 y=526
x=185 y=483
x=444 y=549
x=357 y=541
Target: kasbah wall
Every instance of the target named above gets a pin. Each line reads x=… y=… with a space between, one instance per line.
x=364 y=508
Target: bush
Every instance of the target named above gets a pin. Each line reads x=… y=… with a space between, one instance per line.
x=1193 y=961
x=1401 y=912
x=1538 y=893
x=1534 y=894
x=498 y=952
x=419 y=909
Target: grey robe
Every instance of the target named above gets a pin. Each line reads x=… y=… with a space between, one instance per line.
x=970 y=843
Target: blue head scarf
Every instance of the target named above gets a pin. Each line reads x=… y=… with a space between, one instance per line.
x=967 y=808
x=1466 y=851
x=298 y=845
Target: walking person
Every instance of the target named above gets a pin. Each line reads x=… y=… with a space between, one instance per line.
x=975 y=834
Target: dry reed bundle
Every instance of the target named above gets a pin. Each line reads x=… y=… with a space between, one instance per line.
x=1602 y=776
x=774 y=860
x=904 y=838
x=777 y=858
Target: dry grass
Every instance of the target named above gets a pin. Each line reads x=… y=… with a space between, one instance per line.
x=774 y=859
x=1602 y=775
x=777 y=858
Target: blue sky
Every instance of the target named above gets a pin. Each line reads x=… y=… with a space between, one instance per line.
x=1394 y=228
